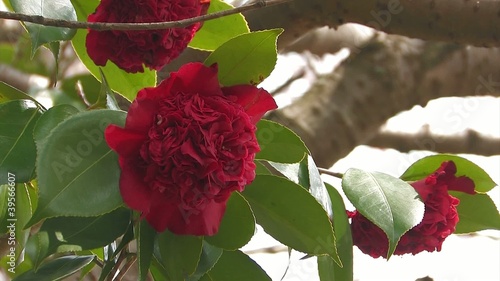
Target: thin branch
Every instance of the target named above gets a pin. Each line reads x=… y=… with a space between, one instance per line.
x=100 y=26
x=470 y=142
x=330 y=173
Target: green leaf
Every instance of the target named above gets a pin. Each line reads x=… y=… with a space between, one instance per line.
x=180 y=253
x=246 y=59
x=390 y=203
x=275 y=200
x=327 y=268
x=56 y=269
x=278 y=143
x=216 y=32
x=235 y=266
x=49 y=120
x=261 y=169
x=54 y=48
x=126 y=84
x=78 y=173
x=85 y=233
x=9 y=93
x=209 y=257
x=25 y=206
x=59 y=9
x=17 y=148
x=307 y=175
x=37 y=248
x=476 y=212
x=145 y=243
x=428 y=165
x=237 y=226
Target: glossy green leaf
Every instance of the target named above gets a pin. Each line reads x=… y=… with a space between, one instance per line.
x=85 y=233
x=145 y=242
x=9 y=93
x=390 y=203
x=307 y=175
x=4 y=205
x=476 y=212
x=235 y=265
x=216 y=32
x=327 y=268
x=278 y=143
x=49 y=120
x=180 y=253
x=246 y=59
x=37 y=248
x=56 y=269
x=56 y=9
x=428 y=165
x=209 y=257
x=17 y=147
x=54 y=47
x=237 y=226
x=78 y=173
x=25 y=206
x=126 y=84
x=274 y=201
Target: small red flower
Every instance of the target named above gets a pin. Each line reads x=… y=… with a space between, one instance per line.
x=129 y=50
x=440 y=217
x=187 y=144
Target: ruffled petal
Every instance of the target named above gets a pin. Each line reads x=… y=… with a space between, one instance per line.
x=125 y=142
x=142 y=112
x=255 y=101
x=195 y=78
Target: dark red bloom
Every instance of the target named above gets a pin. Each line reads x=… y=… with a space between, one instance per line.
x=440 y=217
x=187 y=144
x=129 y=50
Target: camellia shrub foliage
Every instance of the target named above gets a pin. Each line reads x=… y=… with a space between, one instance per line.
x=175 y=185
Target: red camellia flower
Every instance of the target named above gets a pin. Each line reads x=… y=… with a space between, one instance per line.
x=187 y=144
x=129 y=50
x=440 y=217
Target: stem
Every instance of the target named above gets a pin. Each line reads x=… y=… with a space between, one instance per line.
x=330 y=173
x=100 y=26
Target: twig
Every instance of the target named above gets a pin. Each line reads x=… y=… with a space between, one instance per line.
x=330 y=173
x=100 y=26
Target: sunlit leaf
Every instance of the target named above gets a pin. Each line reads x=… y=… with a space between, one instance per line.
x=216 y=32
x=427 y=165
x=278 y=143
x=275 y=200
x=476 y=212
x=246 y=59
x=56 y=9
x=390 y=203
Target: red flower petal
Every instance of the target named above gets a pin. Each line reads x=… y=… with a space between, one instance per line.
x=255 y=101
x=125 y=142
x=195 y=78
x=135 y=192
x=165 y=213
x=142 y=112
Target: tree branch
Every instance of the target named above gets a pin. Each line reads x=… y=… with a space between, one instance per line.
x=100 y=26
x=389 y=75
x=467 y=22
x=469 y=142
